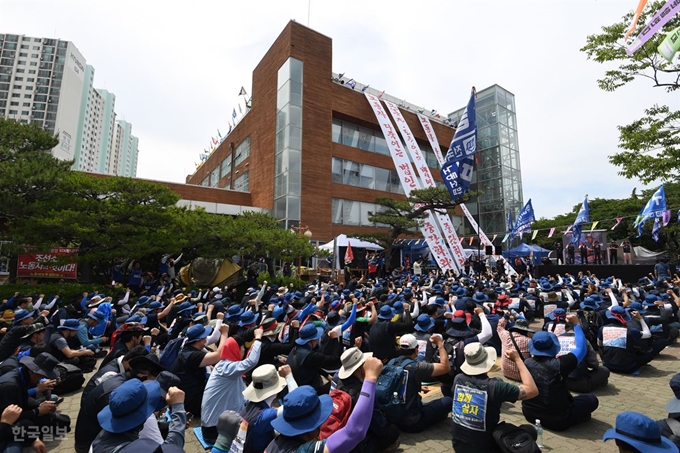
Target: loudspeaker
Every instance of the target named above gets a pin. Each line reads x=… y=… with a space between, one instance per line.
x=489 y=249
x=499 y=250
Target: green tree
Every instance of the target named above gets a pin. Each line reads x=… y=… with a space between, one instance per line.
x=650 y=145
x=404 y=216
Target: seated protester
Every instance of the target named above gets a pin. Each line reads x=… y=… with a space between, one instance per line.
x=224 y=389
x=381 y=434
x=87 y=426
x=14 y=387
x=118 y=366
x=418 y=415
x=383 y=333
x=92 y=319
x=260 y=394
x=591 y=320
x=304 y=412
x=270 y=349
x=516 y=338
x=59 y=343
x=472 y=428
x=191 y=362
x=182 y=316
x=673 y=407
x=130 y=405
x=34 y=335
x=657 y=317
x=308 y=362
x=556 y=322
x=589 y=374
x=12 y=339
x=228 y=427
x=423 y=331
x=637 y=433
x=621 y=345
x=129 y=336
x=555 y=406
x=361 y=325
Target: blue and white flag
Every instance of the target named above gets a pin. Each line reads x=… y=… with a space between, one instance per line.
x=509 y=222
x=351 y=83
x=654 y=209
x=459 y=162
x=365 y=87
x=233 y=114
x=582 y=217
x=656 y=228
x=524 y=220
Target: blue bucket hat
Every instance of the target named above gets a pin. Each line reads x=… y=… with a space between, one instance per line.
x=636 y=306
x=440 y=301
x=22 y=314
x=544 y=344
x=234 y=312
x=155 y=305
x=303 y=412
x=278 y=313
x=386 y=312
x=589 y=304
x=641 y=433
x=617 y=310
x=136 y=319
x=398 y=307
x=185 y=307
x=143 y=300
x=558 y=312
x=424 y=323
x=309 y=333
x=97 y=316
x=70 y=324
x=480 y=297
x=547 y=287
x=130 y=405
x=460 y=292
x=198 y=332
x=248 y=318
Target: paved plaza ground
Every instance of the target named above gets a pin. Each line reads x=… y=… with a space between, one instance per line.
x=646 y=393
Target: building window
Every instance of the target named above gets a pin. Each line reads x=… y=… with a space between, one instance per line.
x=18 y=79
x=20 y=71
x=215 y=177
x=34 y=55
x=24 y=46
x=23 y=54
x=242 y=151
x=242 y=183
x=225 y=167
x=355 y=213
x=366 y=176
x=36 y=47
x=33 y=63
x=22 y=62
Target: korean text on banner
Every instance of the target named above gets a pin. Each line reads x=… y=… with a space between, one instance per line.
x=48 y=265
x=409 y=182
x=459 y=162
x=662 y=16
x=426 y=180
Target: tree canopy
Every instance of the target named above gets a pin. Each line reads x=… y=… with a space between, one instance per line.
x=651 y=144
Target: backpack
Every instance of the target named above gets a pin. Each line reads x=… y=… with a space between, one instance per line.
x=454 y=348
x=171 y=352
x=342 y=408
x=393 y=379
x=71 y=379
x=513 y=439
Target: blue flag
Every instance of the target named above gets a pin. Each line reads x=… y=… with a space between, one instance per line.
x=351 y=83
x=524 y=220
x=508 y=225
x=654 y=209
x=656 y=229
x=459 y=163
x=582 y=217
x=233 y=114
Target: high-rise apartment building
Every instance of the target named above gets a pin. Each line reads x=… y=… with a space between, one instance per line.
x=47 y=82
x=124 y=149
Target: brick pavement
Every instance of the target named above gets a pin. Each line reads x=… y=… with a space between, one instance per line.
x=647 y=393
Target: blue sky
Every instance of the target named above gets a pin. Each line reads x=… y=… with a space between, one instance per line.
x=176 y=69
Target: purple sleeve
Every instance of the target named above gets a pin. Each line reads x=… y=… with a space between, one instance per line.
x=344 y=440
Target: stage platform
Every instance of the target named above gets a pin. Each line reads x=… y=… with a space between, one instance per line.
x=628 y=273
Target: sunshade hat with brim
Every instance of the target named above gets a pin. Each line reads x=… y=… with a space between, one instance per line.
x=480 y=297
x=673 y=406
x=21 y=315
x=155 y=305
x=97 y=316
x=424 y=323
x=198 y=332
x=617 y=310
x=70 y=324
x=7 y=315
x=590 y=304
x=248 y=318
x=185 y=307
x=44 y=364
x=636 y=306
x=351 y=360
x=34 y=328
x=148 y=363
x=309 y=333
x=641 y=433
x=233 y=312
x=553 y=297
x=129 y=406
x=303 y=412
x=180 y=298
x=544 y=344
x=478 y=359
x=386 y=313
x=266 y=382
x=521 y=326
x=271 y=327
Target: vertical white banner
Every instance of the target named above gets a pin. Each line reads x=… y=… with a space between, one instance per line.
x=427 y=181
x=434 y=143
x=409 y=181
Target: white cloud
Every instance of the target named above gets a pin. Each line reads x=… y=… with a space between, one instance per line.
x=176 y=69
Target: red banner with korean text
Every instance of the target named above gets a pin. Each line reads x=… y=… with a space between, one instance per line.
x=49 y=265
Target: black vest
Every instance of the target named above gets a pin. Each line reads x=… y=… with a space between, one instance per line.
x=303 y=375
x=479 y=437
x=553 y=395
x=250 y=413
x=619 y=357
x=283 y=444
x=383 y=344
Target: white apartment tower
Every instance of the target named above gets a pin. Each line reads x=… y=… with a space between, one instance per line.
x=47 y=82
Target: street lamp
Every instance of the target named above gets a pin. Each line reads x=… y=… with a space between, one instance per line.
x=301 y=230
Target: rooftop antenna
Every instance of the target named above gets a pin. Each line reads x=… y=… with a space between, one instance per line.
x=309 y=10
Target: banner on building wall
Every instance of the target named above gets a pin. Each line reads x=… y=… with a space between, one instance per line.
x=409 y=182
x=434 y=143
x=426 y=181
x=48 y=265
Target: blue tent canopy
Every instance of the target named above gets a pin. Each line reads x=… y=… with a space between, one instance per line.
x=524 y=250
